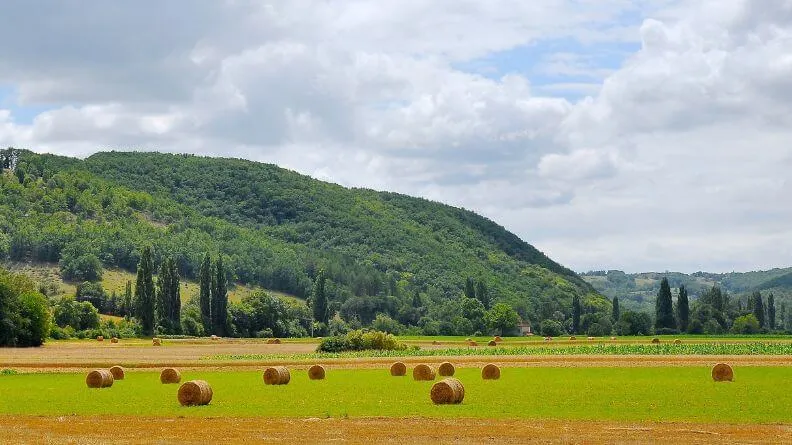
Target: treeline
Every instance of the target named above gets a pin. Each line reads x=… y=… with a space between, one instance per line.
x=25 y=317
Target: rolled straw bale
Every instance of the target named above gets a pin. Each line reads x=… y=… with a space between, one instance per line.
x=573 y=338
x=398 y=369
x=722 y=373
x=274 y=341
x=472 y=343
x=446 y=369
x=591 y=338
x=214 y=337
x=613 y=338
x=316 y=372
x=655 y=340
x=423 y=372
x=99 y=378
x=498 y=338
x=447 y=391
x=195 y=392
x=435 y=342
x=100 y=338
x=170 y=375
x=492 y=343
x=277 y=375
x=490 y=372
x=677 y=342
x=114 y=340
x=117 y=372
x=156 y=341
x=468 y=339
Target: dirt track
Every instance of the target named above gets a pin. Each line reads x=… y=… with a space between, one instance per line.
x=17 y=429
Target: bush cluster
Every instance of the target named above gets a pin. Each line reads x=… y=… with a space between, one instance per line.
x=360 y=340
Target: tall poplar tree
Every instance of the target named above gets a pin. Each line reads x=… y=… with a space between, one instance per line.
x=220 y=299
x=683 y=309
x=470 y=288
x=771 y=312
x=144 y=292
x=758 y=308
x=615 y=311
x=319 y=298
x=205 y=295
x=482 y=294
x=664 y=307
x=163 y=298
x=128 y=310
x=576 y=314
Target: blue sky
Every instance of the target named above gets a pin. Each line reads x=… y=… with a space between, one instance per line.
x=20 y=114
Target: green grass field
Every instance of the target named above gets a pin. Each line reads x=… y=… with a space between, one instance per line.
x=623 y=394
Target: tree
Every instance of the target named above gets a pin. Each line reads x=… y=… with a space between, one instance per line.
x=220 y=299
x=416 y=300
x=470 y=290
x=474 y=311
x=168 y=297
x=319 y=298
x=683 y=309
x=746 y=324
x=664 y=312
x=205 y=295
x=482 y=294
x=758 y=308
x=145 y=293
x=634 y=323
x=575 y=314
x=782 y=317
x=127 y=303
x=615 y=310
x=771 y=312
x=163 y=298
x=502 y=318
x=551 y=328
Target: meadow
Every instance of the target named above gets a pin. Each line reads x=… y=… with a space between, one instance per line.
x=635 y=394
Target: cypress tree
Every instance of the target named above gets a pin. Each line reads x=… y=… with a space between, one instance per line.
x=470 y=290
x=319 y=298
x=416 y=301
x=127 y=304
x=482 y=294
x=576 y=314
x=205 y=295
x=220 y=299
x=175 y=297
x=144 y=293
x=162 y=306
x=771 y=312
x=782 y=317
x=683 y=309
x=615 y=311
x=664 y=311
x=758 y=308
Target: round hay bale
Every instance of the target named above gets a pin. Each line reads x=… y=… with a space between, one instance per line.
x=446 y=369
x=677 y=342
x=273 y=341
x=214 y=337
x=316 y=372
x=591 y=338
x=435 y=342
x=170 y=375
x=277 y=375
x=117 y=372
x=423 y=373
x=447 y=391
x=722 y=373
x=492 y=343
x=114 y=340
x=498 y=338
x=472 y=343
x=156 y=341
x=99 y=378
x=468 y=339
x=573 y=338
x=655 y=340
x=194 y=393
x=490 y=372
x=398 y=369
x=613 y=338
x=100 y=338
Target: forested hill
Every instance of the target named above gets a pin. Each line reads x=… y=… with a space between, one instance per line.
x=275 y=227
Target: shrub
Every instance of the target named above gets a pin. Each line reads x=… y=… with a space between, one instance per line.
x=386 y=324
x=35 y=319
x=360 y=340
x=747 y=324
x=551 y=328
x=596 y=330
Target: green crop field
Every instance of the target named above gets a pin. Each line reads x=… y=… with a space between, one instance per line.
x=622 y=394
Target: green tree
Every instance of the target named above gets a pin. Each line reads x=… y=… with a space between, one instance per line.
x=319 y=298
x=551 y=328
x=782 y=317
x=416 y=300
x=683 y=309
x=576 y=315
x=145 y=293
x=615 y=310
x=474 y=311
x=470 y=288
x=127 y=304
x=758 y=308
x=220 y=299
x=205 y=295
x=482 y=294
x=162 y=300
x=664 y=312
x=746 y=324
x=502 y=318
x=771 y=312
x=169 y=297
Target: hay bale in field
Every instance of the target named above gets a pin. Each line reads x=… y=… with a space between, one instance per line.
x=655 y=340
x=99 y=378
x=722 y=373
x=446 y=369
x=277 y=375
x=316 y=372
x=435 y=342
x=214 y=337
x=156 y=341
x=498 y=338
x=100 y=338
x=194 y=393
x=114 y=340
x=170 y=375
x=613 y=338
x=117 y=372
x=677 y=342
x=468 y=339
x=472 y=343
x=423 y=373
x=274 y=341
x=573 y=338
x=492 y=343
x=490 y=372
x=398 y=369
x=591 y=338
x=447 y=392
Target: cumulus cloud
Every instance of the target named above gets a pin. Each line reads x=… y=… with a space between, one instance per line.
x=674 y=158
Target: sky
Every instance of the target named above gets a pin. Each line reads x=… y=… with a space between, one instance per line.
x=643 y=135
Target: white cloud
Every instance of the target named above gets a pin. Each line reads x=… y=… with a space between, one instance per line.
x=675 y=159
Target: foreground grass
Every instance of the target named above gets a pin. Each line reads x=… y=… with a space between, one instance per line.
x=621 y=394
x=593 y=349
